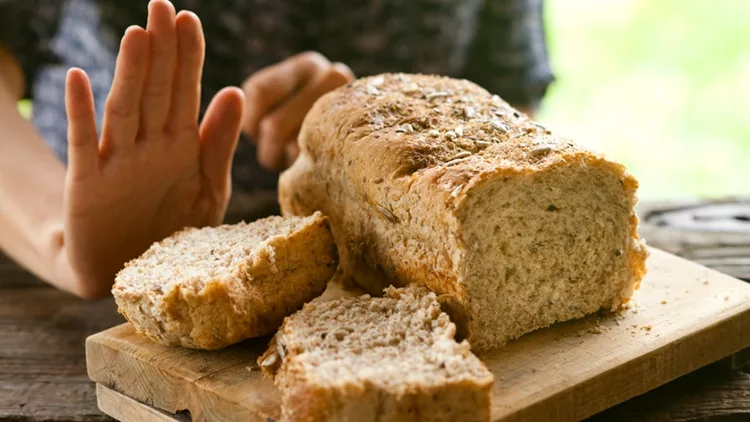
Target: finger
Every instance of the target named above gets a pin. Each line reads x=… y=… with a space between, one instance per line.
x=286 y=119
x=219 y=133
x=267 y=88
x=121 y=112
x=83 y=142
x=292 y=152
x=162 y=60
x=344 y=71
x=186 y=93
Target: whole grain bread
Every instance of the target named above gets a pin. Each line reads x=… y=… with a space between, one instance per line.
x=208 y=288
x=376 y=359
x=434 y=181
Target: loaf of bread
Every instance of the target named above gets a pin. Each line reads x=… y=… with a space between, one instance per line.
x=370 y=359
x=208 y=288
x=433 y=181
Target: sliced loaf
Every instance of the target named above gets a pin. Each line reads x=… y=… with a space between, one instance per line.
x=434 y=181
x=208 y=288
x=376 y=359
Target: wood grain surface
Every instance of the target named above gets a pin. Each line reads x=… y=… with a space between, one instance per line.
x=42 y=331
x=42 y=363
x=684 y=317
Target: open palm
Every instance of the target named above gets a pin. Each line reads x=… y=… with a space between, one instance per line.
x=155 y=170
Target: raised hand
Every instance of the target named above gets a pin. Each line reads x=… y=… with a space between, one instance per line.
x=155 y=170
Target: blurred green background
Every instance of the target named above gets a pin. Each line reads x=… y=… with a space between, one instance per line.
x=662 y=86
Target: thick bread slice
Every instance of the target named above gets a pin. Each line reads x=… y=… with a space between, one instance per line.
x=433 y=181
x=208 y=288
x=376 y=359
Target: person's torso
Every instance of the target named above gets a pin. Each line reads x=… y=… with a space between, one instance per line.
x=374 y=36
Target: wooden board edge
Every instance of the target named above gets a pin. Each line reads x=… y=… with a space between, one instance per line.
x=674 y=360
x=126 y=409
x=184 y=391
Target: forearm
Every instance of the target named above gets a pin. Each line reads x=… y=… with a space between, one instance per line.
x=31 y=194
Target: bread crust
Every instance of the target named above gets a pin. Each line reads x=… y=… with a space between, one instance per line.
x=394 y=161
x=311 y=395
x=274 y=279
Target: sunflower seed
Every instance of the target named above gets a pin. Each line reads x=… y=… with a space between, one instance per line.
x=499 y=125
x=450 y=134
x=280 y=348
x=542 y=149
x=437 y=94
x=483 y=143
x=434 y=133
x=469 y=112
x=378 y=180
x=462 y=154
x=406 y=128
x=460 y=131
x=372 y=90
x=385 y=212
x=541 y=127
x=270 y=360
x=456 y=161
x=411 y=88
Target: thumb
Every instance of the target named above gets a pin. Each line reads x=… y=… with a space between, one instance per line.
x=219 y=132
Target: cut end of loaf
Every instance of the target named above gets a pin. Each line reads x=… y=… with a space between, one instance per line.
x=548 y=244
x=211 y=287
x=376 y=357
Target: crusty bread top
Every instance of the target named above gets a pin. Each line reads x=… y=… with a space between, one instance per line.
x=450 y=131
x=194 y=256
x=398 y=342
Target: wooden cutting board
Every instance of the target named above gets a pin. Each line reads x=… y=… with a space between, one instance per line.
x=683 y=317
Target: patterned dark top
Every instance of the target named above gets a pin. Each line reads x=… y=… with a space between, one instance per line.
x=497 y=43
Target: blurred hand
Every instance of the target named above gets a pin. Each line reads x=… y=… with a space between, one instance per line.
x=277 y=99
x=155 y=170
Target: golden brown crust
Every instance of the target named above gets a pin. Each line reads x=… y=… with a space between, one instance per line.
x=393 y=159
x=435 y=378
x=272 y=282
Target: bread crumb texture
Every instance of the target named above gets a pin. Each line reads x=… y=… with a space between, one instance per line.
x=211 y=287
x=392 y=358
x=433 y=181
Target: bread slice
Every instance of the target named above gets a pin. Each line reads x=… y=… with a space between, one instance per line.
x=376 y=359
x=208 y=288
x=434 y=181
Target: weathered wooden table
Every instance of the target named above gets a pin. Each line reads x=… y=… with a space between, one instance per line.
x=42 y=331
